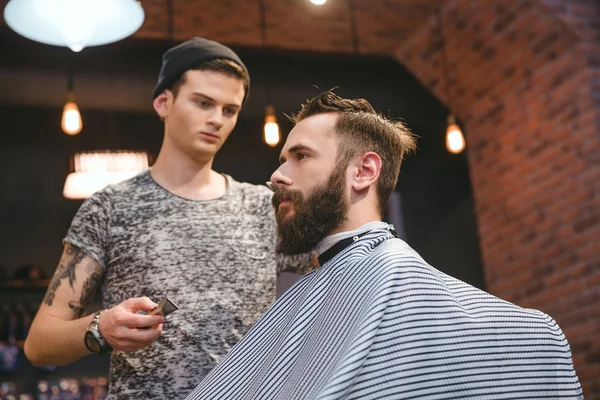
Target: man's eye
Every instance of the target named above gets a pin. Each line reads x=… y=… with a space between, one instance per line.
x=229 y=111
x=203 y=104
x=300 y=156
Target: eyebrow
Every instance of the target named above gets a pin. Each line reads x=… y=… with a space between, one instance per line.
x=295 y=149
x=198 y=94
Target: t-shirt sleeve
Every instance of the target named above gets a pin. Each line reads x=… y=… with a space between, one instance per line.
x=89 y=228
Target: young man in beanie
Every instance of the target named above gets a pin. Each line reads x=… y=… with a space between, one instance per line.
x=179 y=229
x=375 y=321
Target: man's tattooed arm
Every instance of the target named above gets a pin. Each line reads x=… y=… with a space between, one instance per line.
x=72 y=255
x=87 y=294
x=73 y=263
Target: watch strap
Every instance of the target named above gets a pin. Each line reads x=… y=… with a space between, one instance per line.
x=94 y=328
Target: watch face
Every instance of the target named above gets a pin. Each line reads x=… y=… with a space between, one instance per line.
x=92 y=343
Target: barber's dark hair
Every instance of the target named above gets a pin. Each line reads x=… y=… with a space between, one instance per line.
x=361 y=129
x=222 y=65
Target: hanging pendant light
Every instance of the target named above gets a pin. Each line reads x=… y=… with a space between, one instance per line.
x=94 y=171
x=271 y=129
x=71 y=123
x=74 y=23
x=455 y=141
x=71 y=118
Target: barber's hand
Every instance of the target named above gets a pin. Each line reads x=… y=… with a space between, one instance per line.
x=119 y=324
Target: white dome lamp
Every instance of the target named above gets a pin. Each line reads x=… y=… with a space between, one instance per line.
x=74 y=23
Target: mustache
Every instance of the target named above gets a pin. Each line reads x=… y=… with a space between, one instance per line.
x=283 y=194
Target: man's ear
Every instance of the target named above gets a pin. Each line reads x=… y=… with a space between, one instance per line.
x=368 y=167
x=161 y=104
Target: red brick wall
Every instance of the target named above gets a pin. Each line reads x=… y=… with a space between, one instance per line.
x=525 y=82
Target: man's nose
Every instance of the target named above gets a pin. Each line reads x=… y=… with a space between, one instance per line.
x=279 y=180
x=216 y=118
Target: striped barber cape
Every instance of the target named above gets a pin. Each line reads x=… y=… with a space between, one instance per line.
x=377 y=322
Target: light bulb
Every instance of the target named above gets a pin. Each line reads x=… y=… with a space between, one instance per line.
x=271 y=127
x=271 y=131
x=455 y=141
x=71 y=119
x=76 y=47
x=318 y=2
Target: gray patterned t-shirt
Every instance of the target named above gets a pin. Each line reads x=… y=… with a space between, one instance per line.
x=215 y=259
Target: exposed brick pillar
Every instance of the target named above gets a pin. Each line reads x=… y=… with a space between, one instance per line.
x=526 y=84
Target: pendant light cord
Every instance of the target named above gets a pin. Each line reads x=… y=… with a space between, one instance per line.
x=445 y=63
x=355 y=46
x=262 y=12
x=170 y=19
x=353 y=27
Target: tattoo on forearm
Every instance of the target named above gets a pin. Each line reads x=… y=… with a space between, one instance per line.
x=87 y=294
x=66 y=270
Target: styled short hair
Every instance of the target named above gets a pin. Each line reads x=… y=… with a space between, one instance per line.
x=361 y=129
x=222 y=65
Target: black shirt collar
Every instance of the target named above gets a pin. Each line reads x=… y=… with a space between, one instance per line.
x=341 y=245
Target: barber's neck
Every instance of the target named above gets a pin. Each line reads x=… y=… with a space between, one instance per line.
x=187 y=177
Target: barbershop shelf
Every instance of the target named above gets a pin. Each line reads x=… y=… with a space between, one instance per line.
x=17 y=285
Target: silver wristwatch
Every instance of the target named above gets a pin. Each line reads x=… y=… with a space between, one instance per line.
x=93 y=338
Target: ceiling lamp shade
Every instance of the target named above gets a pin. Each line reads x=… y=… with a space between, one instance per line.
x=95 y=171
x=74 y=23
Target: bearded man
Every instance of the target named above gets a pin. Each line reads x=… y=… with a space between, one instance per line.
x=375 y=320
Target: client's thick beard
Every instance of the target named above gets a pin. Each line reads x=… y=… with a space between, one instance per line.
x=313 y=218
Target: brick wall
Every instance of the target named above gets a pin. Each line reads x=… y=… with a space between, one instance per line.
x=525 y=81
